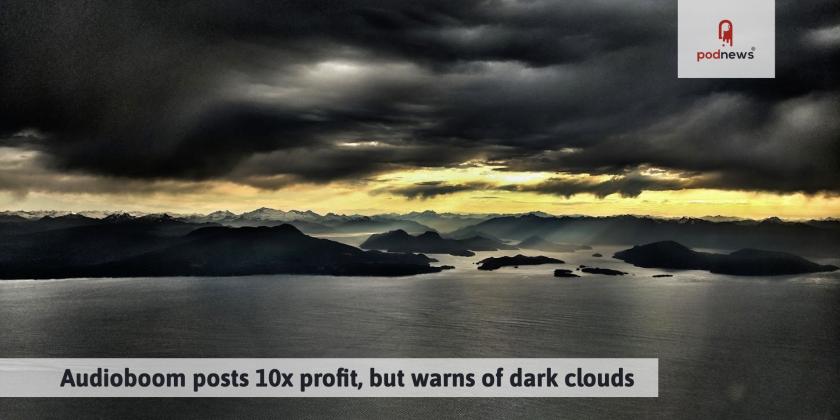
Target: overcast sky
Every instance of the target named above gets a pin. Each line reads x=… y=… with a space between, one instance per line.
x=110 y=99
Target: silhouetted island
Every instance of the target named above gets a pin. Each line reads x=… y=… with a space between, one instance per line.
x=138 y=247
x=597 y=255
x=662 y=275
x=604 y=271
x=432 y=243
x=541 y=244
x=562 y=272
x=745 y=262
x=494 y=263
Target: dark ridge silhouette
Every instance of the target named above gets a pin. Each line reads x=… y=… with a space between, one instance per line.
x=431 y=243
x=10 y=224
x=745 y=262
x=365 y=224
x=561 y=272
x=310 y=222
x=541 y=244
x=466 y=234
x=812 y=238
x=310 y=227
x=494 y=263
x=11 y=218
x=125 y=246
x=442 y=222
x=662 y=275
x=604 y=271
x=49 y=246
x=482 y=243
x=266 y=250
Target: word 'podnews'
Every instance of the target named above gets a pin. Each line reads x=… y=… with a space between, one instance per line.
x=724 y=55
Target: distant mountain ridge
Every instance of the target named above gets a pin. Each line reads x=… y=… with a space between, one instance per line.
x=309 y=221
x=431 y=243
x=813 y=237
x=541 y=244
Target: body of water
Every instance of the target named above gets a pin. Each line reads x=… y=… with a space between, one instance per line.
x=728 y=346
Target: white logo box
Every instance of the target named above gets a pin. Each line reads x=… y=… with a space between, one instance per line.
x=702 y=53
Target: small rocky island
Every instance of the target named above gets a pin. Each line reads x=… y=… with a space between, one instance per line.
x=494 y=263
x=588 y=270
x=604 y=271
x=562 y=272
x=745 y=262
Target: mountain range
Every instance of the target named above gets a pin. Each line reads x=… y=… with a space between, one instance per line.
x=121 y=245
x=60 y=244
x=820 y=238
x=811 y=237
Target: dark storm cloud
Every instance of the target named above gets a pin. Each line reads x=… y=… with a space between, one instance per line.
x=732 y=141
x=22 y=171
x=630 y=185
x=273 y=93
x=627 y=185
x=350 y=163
x=431 y=189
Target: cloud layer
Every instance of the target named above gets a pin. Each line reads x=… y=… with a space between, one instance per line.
x=270 y=94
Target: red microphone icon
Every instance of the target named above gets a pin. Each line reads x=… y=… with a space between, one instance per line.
x=725 y=31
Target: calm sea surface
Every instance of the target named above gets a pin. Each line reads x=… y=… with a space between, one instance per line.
x=728 y=347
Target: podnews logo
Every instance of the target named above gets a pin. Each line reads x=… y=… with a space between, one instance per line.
x=726 y=34
x=726 y=39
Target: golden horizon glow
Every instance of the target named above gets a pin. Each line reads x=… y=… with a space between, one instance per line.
x=375 y=196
